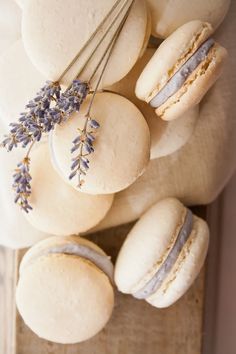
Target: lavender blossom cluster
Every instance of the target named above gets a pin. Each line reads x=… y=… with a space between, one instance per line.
x=49 y=108
x=83 y=147
x=21 y=185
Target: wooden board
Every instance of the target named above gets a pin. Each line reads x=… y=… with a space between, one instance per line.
x=135 y=327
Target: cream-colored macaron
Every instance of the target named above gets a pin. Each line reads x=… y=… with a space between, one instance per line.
x=122 y=145
x=19 y=82
x=57 y=208
x=163 y=254
x=16 y=232
x=168 y=15
x=55 y=31
x=181 y=71
x=65 y=291
x=166 y=137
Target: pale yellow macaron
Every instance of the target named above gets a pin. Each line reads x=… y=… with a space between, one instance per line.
x=168 y=15
x=65 y=291
x=19 y=82
x=55 y=31
x=181 y=71
x=58 y=209
x=163 y=254
x=121 y=146
x=166 y=137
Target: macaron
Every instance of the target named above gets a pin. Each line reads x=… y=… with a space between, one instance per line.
x=182 y=70
x=16 y=232
x=166 y=137
x=57 y=208
x=167 y=16
x=121 y=146
x=163 y=254
x=65 y=293
x=19 y=82
x=54 y=32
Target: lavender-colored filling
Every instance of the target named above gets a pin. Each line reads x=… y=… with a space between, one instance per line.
x=157 y=280
x=103 y=262
x=179 y=78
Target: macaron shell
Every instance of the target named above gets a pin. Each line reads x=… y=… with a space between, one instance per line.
x=55 y=241
x=195 y=86
x=19 y=82
x=54 y=31
x=147 y=244
x=166 y=137
x=57 y=208
x=170 y=56
x=186 y=269
x=122 y=145
x=168 y=15
x=64 y=299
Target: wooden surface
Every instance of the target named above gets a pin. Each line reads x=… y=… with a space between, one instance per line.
x=135 y=327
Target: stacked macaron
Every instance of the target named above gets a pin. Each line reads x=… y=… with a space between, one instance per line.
x=162 y=254
x=181 y=71
x=65 y=291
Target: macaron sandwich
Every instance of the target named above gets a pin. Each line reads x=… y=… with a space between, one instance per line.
x=65 y=291
x=162 y=254
x=182 y=70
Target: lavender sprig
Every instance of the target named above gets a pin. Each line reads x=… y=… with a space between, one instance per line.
x=49 y=108
x=21 y=185
x=34 y=121
x=83 y=147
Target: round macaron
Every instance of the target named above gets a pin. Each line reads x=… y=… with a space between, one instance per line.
x=163 y=254
x=19 y=82
x=166 y=137
x=121 y=147
x=181 y=71
x=65 y=291
x=55 y=31
x=57 y=208
x=167 y=15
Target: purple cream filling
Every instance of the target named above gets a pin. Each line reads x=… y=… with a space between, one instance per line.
x=103 y=262
x=157 y=280
x=179 y=78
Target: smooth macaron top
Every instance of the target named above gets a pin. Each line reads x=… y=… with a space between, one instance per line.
x=170 y=56
x=54 y=32
x=57 y=208
x=156 y=250
x=168 y=15
x=122 y=145
x=64 y=293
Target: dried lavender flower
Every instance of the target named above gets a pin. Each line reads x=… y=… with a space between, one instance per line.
x=82 y=145
x=49 y=108
x=35 y=120
x=21 y=185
